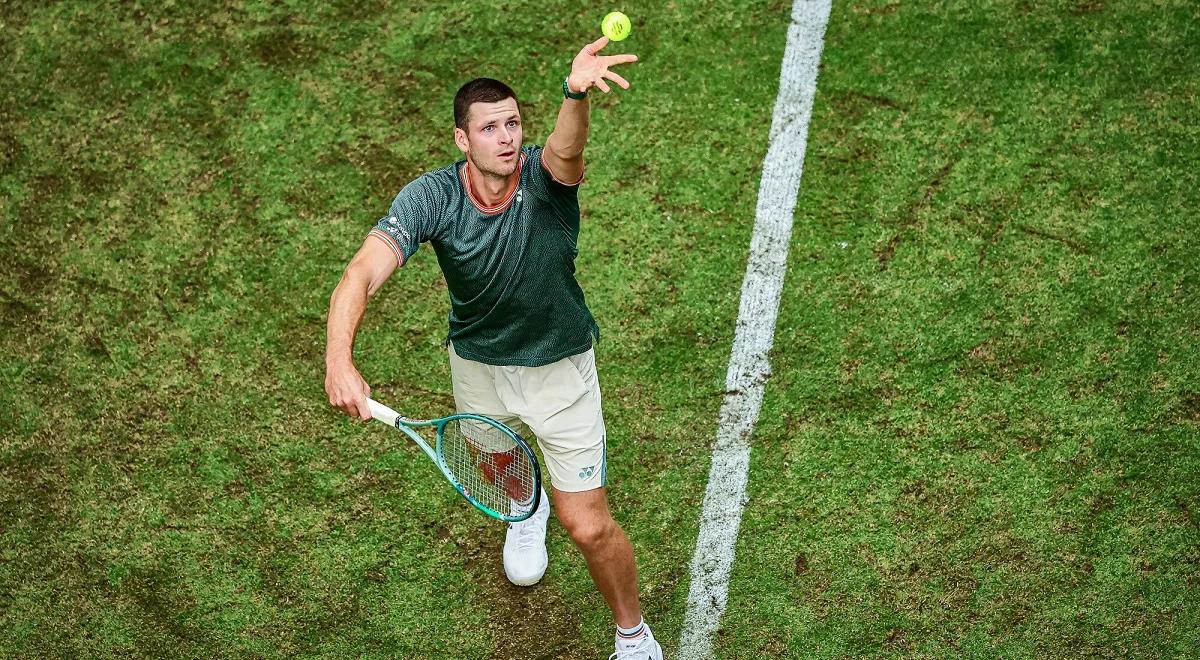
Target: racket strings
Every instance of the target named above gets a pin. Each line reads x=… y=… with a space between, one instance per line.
x=491 y=467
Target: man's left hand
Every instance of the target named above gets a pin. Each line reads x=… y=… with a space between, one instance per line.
x=589 y=69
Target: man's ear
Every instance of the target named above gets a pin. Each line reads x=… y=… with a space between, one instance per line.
x=460 y=139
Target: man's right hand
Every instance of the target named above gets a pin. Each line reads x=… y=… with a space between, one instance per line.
x=374 y=263
x=347 y=390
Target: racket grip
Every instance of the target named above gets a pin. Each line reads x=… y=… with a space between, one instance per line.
x=382 y=412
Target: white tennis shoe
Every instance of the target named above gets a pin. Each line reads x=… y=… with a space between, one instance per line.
x=525 y=546
x=646 y=649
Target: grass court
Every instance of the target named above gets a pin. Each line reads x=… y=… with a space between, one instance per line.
x=981 y=437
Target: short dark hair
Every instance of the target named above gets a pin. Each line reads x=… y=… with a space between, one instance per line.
x=480 y=90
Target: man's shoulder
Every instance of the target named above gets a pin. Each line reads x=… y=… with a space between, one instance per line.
x=533 y=155
x=533 y=166
x=439 y=184
x=442 y=177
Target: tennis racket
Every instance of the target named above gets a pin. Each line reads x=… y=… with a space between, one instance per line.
x=486 y=462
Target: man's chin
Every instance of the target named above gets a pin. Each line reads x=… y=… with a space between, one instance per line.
x=501 y=169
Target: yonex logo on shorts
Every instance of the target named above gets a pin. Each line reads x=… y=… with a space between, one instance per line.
x=587 y=472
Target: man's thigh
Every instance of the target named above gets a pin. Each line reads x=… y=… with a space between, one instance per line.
x=561 y=403
x=474 y=386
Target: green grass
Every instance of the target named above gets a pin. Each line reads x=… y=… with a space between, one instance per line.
x=979 y=439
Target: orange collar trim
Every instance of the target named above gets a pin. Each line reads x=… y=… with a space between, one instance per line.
x=492 y=210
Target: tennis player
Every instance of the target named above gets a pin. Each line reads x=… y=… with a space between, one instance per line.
x=504 y=223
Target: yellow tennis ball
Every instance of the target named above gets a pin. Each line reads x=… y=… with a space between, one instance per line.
x=615 y=26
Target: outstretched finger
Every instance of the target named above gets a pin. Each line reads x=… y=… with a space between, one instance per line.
x=603 y=85
x=617 y=79
x=596 y=46
x=627 y=58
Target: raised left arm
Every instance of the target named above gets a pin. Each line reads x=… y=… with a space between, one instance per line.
x=563 y=153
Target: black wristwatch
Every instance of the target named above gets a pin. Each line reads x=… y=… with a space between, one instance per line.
x=578 y=96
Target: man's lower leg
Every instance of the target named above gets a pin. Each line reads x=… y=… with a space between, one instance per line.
x=606 y=549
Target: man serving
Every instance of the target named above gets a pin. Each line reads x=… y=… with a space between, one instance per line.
x=504 y=223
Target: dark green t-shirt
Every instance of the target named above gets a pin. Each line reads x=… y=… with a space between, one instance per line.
x=510 y=269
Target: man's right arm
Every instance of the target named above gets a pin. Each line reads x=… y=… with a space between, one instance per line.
x=368 y=270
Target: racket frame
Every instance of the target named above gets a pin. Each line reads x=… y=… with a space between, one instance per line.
x=408 y=425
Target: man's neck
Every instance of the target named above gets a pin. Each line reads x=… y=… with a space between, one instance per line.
x=490 y=190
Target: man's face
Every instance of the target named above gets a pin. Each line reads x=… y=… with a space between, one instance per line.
x=492 y=141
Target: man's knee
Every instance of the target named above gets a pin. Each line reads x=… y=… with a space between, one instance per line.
x=591 y=531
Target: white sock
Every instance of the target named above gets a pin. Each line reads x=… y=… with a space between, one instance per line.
x=628 y=638
x=522 y=507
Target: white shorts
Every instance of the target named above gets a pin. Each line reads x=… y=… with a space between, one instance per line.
x=558 y=402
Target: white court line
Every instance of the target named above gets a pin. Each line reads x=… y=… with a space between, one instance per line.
x=748 y=364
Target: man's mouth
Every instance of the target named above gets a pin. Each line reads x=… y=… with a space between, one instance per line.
x=507 y=154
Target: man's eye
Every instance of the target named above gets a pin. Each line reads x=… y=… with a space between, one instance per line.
x=513 y=123
x=488 y=129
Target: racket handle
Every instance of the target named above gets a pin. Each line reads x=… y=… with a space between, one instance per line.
x=382 y=412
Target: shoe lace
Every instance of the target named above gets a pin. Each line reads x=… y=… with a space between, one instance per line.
x=642 y=650
x=529 y=532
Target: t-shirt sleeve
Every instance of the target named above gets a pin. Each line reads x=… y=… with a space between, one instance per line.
x=410 y=220
x=564 y=197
